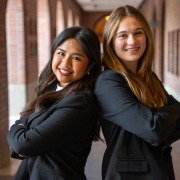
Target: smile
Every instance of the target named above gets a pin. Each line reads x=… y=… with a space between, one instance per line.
x=65 y=72
x=132 y=49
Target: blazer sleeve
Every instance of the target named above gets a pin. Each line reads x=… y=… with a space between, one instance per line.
x=72 y=120
x=173 y=137
x=120 y=106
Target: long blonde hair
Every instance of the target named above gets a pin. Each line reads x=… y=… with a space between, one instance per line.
x=145 y=84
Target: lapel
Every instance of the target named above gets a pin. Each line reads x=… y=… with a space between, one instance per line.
x=33 y=116
x=45 y=112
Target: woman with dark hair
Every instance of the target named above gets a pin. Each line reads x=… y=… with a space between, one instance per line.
x=140 y=120
x=54 y=134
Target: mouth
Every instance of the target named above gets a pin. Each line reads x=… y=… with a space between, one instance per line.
x=132 y=50
x=64 y=72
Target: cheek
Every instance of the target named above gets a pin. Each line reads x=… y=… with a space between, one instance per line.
x=54 y=64
x=118 y=48
x=118 y=45
x=81 y=69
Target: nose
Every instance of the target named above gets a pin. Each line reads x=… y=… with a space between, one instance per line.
x=66 y=62
x=131 y=39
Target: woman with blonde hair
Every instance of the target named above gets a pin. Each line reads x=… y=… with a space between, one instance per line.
x=139 y=118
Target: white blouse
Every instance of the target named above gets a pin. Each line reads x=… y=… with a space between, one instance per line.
x=58 y=88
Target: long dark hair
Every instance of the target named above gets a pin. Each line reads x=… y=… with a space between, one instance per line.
x=46 y=94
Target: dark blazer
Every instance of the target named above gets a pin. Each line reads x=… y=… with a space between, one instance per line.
x=138 y=138
x=57 y=141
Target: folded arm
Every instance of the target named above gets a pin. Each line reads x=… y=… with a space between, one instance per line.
x=62 y=125
x=120 y=106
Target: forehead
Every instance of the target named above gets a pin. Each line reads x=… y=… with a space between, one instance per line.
x=129 y=22
x=70 y=44
x=69 y=41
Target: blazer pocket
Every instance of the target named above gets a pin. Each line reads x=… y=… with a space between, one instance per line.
x=131 y=165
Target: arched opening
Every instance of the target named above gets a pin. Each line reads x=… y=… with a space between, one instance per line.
x=77 y=20
x=43 y=31
x=99 y=27
x=59 y=17
x=70 y=18
x=15 y=58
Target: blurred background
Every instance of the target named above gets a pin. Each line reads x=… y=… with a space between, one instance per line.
x=27 y=30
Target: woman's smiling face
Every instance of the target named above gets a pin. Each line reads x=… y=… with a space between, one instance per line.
x=129 y=42
x=69 y=62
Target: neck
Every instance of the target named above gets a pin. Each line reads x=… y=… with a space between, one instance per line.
x=132 y=66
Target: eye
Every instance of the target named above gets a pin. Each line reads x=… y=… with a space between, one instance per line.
x=60 y=53
x=139 y=33
x=122 y=36
x=76 y=58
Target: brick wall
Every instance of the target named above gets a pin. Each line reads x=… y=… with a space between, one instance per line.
x=31 y=54
x=167 y=40
x=93 y=18
x=4 y=148
x=172 y=44
x=154 y=15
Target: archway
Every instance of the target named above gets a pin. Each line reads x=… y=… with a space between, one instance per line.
x=70 y=18
x=99 y=28
x=15 y=58
x=59 y=17
x=43 y=30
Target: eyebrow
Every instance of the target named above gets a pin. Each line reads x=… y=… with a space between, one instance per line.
x=78 y=54
x=126 y=31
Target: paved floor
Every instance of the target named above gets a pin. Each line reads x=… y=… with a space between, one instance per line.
x=176 y=159
x=93 y=165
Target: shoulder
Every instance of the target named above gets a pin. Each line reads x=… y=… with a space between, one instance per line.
x=110 y=74
x=110 y=77
x=78 y=98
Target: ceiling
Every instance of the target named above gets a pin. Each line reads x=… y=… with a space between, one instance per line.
x=106 y=5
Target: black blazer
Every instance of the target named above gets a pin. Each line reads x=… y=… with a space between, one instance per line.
x=57 y=141
x=138 y=138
